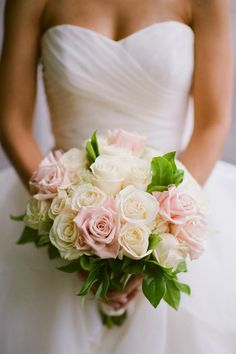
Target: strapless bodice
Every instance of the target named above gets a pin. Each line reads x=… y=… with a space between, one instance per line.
x=140 y=83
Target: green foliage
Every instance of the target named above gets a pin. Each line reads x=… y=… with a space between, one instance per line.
x=182 y=267
x=164 y=173
x=184 y=288
x=160 y=282
x=134 y=267
x=110 y=321
x=92 y=148
x=71 y=267
x=172 y=295
x=17 y=217
x=53 y=252
x=153 y=285
x=28 y=235
x=42 y=240
x=153 y=241
x=94 y=276
x=45 y=227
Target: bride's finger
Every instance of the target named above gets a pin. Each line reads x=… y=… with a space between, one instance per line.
x=133 y=284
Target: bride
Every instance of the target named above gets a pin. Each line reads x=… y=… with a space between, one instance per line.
x=118 y=64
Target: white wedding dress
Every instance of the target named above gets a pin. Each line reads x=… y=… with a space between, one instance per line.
x=140 y=83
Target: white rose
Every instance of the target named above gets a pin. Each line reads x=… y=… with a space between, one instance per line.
x=87 y=195
x=84 y=177
x=134 y=240
x=59 y=204
x=36 y=212
x=109 y=173
x=74 y=159
x=64 y=235
x=169 y=251
x=137 y=206
x=149 y=153
x=138 y=174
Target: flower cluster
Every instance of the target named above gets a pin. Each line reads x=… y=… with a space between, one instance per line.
x=104 y=208
x=117 y=208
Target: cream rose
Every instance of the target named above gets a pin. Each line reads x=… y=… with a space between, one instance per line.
x=134 y=240
x=169 y=252
x=138 y=173
x=87 y=195
x=59 y=204
x=74 y=159
x=108 y=173
x=64 y=235
x=137 y=206
x=36 y=212
x=160 y=226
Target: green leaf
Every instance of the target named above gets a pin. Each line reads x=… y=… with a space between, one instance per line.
x=115 y=266
x=154 y=286
x=94 y=143
x=117 y=282
x=105 y=285
x=90 y=152
x=154 y=239
x=93 y=277
x=181 y=267
x=87 y=263
x=178 y=177
x=178 y=174
x=126 y=262
x=53 y=252
x=17 y=217
x=28 y=235
x=44 y=227
x=170 y=156
x=172 y=295
x=134 y=267
x=70 y=268
x=183 y=287
x=42 y=240
x=111 y=321
x=92 y=148
x=151 y=188
x=162 y=174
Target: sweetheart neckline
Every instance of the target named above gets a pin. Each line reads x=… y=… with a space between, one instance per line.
x=88 y=30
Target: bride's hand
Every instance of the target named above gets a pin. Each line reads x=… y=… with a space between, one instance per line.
x=117 y=299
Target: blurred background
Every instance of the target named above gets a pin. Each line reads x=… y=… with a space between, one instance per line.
x=41 y=122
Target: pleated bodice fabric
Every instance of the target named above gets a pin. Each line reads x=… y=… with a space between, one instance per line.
x=140 y=83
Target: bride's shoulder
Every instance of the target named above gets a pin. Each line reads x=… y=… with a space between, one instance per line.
x=210 y=16
x=23 y=12
x=209 y=9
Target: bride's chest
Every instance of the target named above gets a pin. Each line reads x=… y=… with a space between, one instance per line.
x=159 y=55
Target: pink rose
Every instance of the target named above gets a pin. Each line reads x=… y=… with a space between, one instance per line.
x=192 y=234
x=176 y=206
x=99 y=229
x=49 y=177
x=126 y=140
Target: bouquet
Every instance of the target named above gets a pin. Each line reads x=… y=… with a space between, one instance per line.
x=116 y=209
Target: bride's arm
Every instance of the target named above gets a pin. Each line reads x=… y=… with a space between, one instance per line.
x=18 y=76
x=212 y=86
